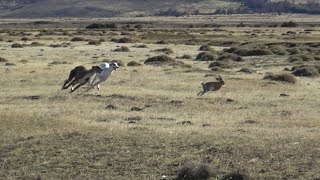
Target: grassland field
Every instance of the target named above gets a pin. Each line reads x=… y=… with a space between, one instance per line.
x=147 y=121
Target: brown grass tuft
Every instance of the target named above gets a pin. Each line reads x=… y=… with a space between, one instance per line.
x=206 y=56
x=94 y=42
x=123 y=40
x=285 y=77
x=16 y=45
x=78 y=39
x=221 y=64
x=206 y=48
x=235 y=176
x=122 y=49
x=3 y=59
x=164 y=50
x=309 y=71
x=192 y=171
x=301 y=57
x=253 y=52
x=134 y=63
x=159 y=60
x=230 y=57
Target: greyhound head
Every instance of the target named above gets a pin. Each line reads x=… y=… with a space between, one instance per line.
x=114 y=65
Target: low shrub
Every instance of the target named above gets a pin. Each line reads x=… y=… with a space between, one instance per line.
x=301 y=57
x=253 y=52
x=221 y=64
x=25 y=39
x=164 y=50
x=101 y=26
x=3 y=59
x=141 y=46
x=192 y=171
x=230 y=57
x=285 y=77
x=161 y=42
x=247 y=70
x=289 y=24
x=294 y=51
x=309 y=71
x=78 y=39
x=206 y=56
x=16 y=45
x=206 y=48
x=9 y=64
x=134 y=63
x=159 y=60
x=185 y=56
x=36 y=44
x=278 y=50
x=122 y=49
x=123 y=40
x=94 y=42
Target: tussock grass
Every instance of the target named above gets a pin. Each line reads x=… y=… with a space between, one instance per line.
x=122 y=49
x=206 y=56
x=134 y=63
x=309 y=70
x=289 y=78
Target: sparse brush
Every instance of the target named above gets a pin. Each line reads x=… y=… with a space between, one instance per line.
x=230 y=57
x=159 y=60
x=25 y=39
x=16 y=45
x=3 y=59
x=78 y=39
x=247 y=70
x=193 y=171
x=253 y=52
x=221 y=64
x=301 y=57
x=310 y=71
x=236 y=176
x=164 y=50
x=161 y=42
x=122 y=49
x=36 y=44
x=134 y=63
x=285 y=77
x=94 y=42
x=123 y=40
x=206 y=48
x=289 y=24
x=278 y=50
x=9 y=64
x=140 y=46
x=206 y=56
x=185 y=56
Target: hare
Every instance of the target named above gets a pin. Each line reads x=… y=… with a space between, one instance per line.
x=211 y=86
x=80 y=75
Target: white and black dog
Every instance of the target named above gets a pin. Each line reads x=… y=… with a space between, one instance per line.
x=107 y=69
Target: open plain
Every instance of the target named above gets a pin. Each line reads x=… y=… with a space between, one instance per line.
x=147 y=121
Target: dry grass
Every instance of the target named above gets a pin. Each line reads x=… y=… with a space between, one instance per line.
x=147 y=122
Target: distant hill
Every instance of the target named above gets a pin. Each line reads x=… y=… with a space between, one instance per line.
x=111 y=8
x=104 y=8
